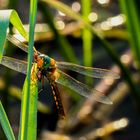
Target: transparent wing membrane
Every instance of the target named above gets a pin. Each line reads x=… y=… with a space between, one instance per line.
x=14 y=64
x=88 y=71
x=64 y=79
x=18 y=43
x=82 y=89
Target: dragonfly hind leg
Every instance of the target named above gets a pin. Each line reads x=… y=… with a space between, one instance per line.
x=42 y=84
x=40 y=78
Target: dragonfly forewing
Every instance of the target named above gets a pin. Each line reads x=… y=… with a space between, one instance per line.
x=88 y=71
x=18 y=43
x=14 y=64
x=81 y=88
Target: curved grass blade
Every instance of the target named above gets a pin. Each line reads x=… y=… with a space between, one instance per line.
x=88 y=71
x=6 y=17
x=64 y=8
x=5 y=124
x=81 y=88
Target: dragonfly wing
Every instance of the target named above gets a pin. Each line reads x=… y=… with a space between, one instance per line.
x=81 y=88
x=17 y=43
x=14 y=64
x=88 y=71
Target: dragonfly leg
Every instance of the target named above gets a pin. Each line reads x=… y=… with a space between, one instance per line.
x=40 y=90
x=42 y=83
x=39 y=75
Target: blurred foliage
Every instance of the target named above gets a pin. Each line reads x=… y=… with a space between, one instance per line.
x=65 y=48
x=87 y=35
x=133 y=24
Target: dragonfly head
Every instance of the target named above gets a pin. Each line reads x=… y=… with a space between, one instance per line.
x=44 y=61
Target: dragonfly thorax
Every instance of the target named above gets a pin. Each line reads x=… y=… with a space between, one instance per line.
x=46 y=61
x=43 y=61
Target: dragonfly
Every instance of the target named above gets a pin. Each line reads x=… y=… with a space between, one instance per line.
x=51 y=69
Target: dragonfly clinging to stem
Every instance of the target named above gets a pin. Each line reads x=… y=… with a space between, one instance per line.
x=52 y=70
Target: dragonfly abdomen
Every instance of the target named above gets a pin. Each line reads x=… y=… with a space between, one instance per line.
x=57 y=99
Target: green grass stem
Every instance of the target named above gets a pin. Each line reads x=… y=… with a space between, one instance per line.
x=87 y=35
x=129 y=8
x=28 y=120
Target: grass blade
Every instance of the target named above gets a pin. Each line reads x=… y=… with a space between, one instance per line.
x=65 y=9
x=133 y=25
x=29 y=100
x=32 y=124
x=87 y=35
x=5 y=124
x=6 y=17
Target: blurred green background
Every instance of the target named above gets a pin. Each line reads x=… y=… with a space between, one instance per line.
x=114 y=45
